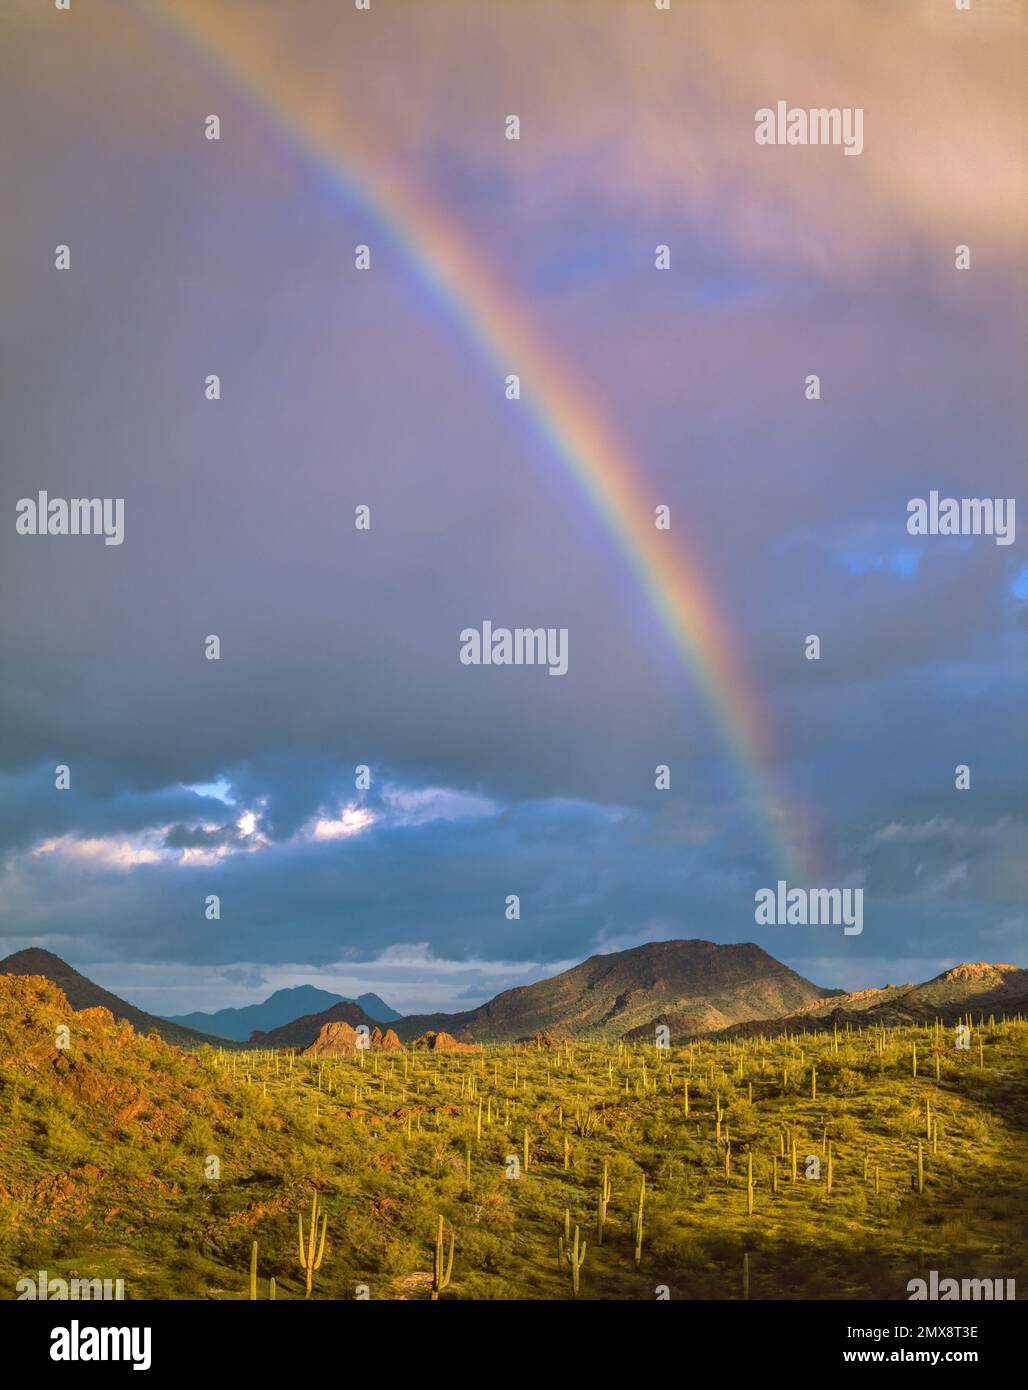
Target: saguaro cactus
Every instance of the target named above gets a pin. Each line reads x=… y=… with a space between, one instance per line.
x=601 y=1204
x=310 y=1260
x=441 y=1270
x=253 y=1271
x=749 y=1184
x=574 y=1256
x=639 y=1222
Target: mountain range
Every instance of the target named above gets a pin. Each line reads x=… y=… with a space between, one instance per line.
x=694 y=987
x=280 y=1008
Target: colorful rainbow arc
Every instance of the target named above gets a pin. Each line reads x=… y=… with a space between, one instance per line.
x=577 y=434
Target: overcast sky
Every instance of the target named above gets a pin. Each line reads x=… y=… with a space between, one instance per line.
x=236 y=777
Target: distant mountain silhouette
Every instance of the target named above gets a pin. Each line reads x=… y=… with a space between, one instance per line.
x=282 y=1007
x=82 y=993
x=378 y=1008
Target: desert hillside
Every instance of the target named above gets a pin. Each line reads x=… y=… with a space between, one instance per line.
x=703 y=985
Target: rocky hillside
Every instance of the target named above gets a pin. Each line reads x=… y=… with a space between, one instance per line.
x=977 y=988
x=337 y=1039
x=100 y=1081
x=82 y=993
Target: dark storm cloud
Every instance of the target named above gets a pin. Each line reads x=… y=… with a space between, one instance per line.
x=197 y=837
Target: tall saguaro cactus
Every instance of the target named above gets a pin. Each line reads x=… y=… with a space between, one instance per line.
x=442 y=1269
x=310 y=1259
x=573 y=1255
x=601 y=1204
x=749 y=1184
x=639 y=1222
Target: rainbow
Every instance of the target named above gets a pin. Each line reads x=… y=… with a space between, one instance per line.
x=575 y=430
